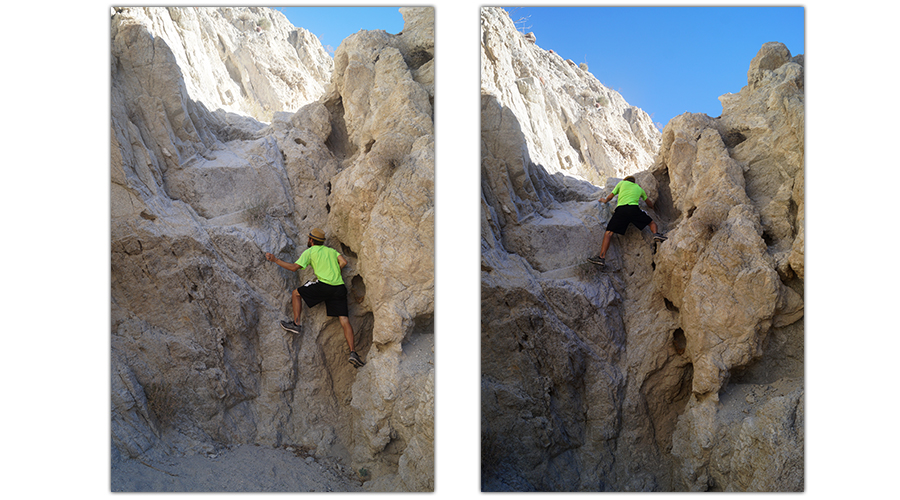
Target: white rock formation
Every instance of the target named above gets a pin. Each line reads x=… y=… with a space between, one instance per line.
x=572 y=123
x=640 y=379
x=228 y=142
x=246 y=60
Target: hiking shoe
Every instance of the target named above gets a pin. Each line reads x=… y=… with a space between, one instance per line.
x=291 y=327
x=600 y=261
x=659 y=237
x=354 y=359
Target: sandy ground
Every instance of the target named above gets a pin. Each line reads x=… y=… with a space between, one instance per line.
x=246 y=468
x=252 y=468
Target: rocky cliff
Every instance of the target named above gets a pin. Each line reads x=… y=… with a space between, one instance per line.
x=680 y=369
x=233 y=134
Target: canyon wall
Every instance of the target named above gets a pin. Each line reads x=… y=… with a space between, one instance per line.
x=681 y=367
x=234 y=134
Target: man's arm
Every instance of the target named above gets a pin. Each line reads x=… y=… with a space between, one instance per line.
x=649 y=203
x=612 y=194
x=290 y=266
x=342 y=261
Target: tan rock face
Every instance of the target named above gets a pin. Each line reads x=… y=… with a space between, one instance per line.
x=739 y=279
x=738 y=193
x=626 y=380
x=200 y=189
x=382 y=207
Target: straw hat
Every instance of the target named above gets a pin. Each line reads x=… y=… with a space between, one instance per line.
x=317 y=234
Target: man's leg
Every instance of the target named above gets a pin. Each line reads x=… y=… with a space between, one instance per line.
x=656 y=235
x=605 y=246
x=296 y=305
x=348 y=331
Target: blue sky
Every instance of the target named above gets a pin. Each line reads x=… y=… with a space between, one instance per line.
x=665 y=60
x=333 y=24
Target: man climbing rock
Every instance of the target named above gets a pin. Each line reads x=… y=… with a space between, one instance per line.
x=627 y=212
x=328 y=286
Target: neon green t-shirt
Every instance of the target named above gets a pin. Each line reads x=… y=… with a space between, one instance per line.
x=325 y=263
x=629 y=193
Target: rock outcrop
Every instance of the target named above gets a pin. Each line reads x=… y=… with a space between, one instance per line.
x=572 y=125
x=228 y=141
x=732 y=271
x=682 y=368
x=250 y=60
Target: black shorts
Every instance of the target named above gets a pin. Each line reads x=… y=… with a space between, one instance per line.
x=626 y=214
x=334 y=297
